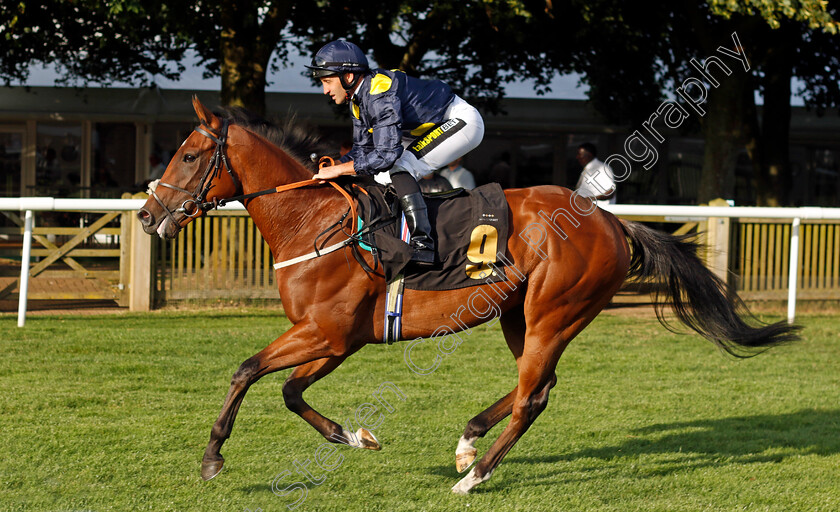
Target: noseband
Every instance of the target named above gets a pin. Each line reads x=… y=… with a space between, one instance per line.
x=197 y=203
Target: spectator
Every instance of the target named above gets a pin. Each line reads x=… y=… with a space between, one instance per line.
x=502 y=172
x=596 y=180
x=102 y=178
x=458 y=175
x=156 y=167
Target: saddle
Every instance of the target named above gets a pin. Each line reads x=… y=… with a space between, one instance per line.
x=470 y=229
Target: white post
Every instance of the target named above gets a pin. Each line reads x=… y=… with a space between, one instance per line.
x=24 y=267
x=793 y=269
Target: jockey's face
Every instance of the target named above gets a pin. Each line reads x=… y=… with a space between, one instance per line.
x=333 y=88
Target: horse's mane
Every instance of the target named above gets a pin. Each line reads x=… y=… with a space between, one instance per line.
x=291 y=135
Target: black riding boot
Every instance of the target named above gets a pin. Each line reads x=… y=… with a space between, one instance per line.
x=422 y=244
x=414 y=207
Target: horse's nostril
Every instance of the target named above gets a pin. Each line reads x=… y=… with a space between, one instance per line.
x=144 y=216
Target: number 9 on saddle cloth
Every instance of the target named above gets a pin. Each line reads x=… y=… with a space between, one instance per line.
x=470 y=230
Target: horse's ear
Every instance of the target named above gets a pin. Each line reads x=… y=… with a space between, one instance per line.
x=204 y=114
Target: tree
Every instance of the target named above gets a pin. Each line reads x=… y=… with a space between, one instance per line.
x=785 y=40
x=241 y=40
x=628 y=53
x=631 y=53
x=813 y=57
x=475 y=46
x=89 y=41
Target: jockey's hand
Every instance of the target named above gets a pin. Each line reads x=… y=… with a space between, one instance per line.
x=334 y=171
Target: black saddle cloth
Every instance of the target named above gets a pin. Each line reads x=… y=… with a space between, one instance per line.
x=470 y=229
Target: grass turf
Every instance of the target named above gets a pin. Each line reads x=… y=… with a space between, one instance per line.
x=113 y=413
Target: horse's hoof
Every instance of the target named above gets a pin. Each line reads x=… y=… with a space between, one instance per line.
x=367 y=440
x=211 y=468
x=466 y=484
x=465 y=459
x=460 y=489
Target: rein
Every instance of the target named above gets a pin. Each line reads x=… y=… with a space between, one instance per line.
x=213 y=170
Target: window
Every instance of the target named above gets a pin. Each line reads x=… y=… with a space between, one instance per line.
x=167 y=138
x=11 y=149
x=114 y=160
x=58 y=164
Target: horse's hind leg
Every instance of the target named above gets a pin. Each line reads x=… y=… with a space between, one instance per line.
x=513 y=327
x=304 y=376
x=536 y=378
x=478 y=427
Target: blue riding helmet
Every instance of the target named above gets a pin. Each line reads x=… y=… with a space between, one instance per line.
x=337 y=58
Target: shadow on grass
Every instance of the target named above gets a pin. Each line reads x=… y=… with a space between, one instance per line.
x=688 y=445
x=259 y=488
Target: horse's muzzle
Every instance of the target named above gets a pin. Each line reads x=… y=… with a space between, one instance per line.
x=164 y=227
x=147 y=220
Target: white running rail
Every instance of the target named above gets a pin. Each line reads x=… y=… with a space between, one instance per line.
x=795 y=215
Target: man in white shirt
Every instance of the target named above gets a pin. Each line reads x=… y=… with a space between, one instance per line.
x=596 y=180
x=458 y=176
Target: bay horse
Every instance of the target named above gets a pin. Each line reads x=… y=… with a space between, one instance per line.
x=336 y=307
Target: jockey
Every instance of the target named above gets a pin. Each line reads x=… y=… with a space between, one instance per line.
x=403 y=129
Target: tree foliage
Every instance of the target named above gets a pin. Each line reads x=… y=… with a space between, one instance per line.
x=632 y=53
x=629 y=53
x=814 y=13
x=91 y=41
x=477 y=46
x=96 y=41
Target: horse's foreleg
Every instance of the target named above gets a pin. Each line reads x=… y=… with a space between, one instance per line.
x=304 y=376
x=299 y=345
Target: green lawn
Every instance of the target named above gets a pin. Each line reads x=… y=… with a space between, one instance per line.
x=113 y=413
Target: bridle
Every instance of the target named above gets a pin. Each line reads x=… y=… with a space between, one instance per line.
x=197 y=204
x=214 y=168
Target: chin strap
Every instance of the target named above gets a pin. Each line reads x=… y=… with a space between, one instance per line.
x=349 y=86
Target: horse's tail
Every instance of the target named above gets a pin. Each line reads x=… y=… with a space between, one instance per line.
x=700 y=299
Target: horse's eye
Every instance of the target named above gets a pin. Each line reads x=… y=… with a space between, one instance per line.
x=189 y=158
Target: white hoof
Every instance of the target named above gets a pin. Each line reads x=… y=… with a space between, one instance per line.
x=367 y=440
x=468 y=482
x=363 y=438
x=465 y=460
x=465 y=454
